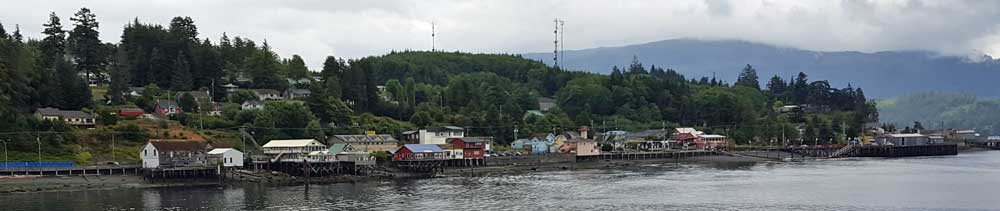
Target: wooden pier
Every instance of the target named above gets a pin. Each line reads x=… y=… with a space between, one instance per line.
x=647 y=155
x=850 y=151
x=154 y=174
x=903 y=151
x=72 y=171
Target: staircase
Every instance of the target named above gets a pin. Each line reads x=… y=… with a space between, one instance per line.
x=842 y=152
x=277 y=158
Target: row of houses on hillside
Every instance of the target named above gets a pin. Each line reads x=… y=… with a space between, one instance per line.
x=74 y=118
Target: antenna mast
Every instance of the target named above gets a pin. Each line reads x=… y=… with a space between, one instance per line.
x=557 y=43
x=433 y=33
x=562 y=42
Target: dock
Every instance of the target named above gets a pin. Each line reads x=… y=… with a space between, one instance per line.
x=73 y=170
x=781 y=153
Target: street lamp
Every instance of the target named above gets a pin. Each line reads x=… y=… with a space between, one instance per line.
x=6 y=163
x=39 y=140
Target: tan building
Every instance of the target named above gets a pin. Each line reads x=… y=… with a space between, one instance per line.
x=581 y=145
x=367 y=143
x=74 y=118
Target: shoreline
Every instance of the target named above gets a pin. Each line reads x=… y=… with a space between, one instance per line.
x=37 y=184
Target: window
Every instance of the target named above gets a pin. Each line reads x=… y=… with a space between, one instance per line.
x=145 y=152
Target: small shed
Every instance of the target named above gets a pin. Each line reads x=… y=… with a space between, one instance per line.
x=131 y=112
x=228 y=157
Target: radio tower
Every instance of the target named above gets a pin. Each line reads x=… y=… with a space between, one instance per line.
x=562 y=42
x=557 y=43
x=433 y=30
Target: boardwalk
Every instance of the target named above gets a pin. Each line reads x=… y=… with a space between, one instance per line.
x=74 y=170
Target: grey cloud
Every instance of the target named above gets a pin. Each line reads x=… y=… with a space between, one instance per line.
x=354 y=29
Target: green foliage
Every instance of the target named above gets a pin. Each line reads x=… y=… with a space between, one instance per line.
x=106 y=116
x=381 y=156
x=187 y=103
x=84 y=43
x=119 y=78
x=132 y=133
x=937 y=110
x=748 y=78
x=297 y=68
x=83 y=158
x=282 y=120
x=242 y=96
x=381 y=125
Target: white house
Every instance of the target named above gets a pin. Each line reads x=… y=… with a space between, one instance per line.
x=252 y=105
x=267 y=94
x=293 y=149
x=434 y=135
x=228 y=157
x=173 y=153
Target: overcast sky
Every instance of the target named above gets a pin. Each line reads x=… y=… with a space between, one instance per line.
x=349 y=29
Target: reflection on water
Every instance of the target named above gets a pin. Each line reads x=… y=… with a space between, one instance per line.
x=964 y=182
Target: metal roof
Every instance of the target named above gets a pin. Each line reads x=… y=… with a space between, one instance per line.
x=908 y=135
x=423 y=148
x=166 y=103
x=64 y=113
x=293 y=143
x=266 y=91
x=222 y=151
x=379 y=138
x=178 y=145
x=338 y=148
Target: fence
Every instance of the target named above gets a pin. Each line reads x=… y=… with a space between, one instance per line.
x=44 y=164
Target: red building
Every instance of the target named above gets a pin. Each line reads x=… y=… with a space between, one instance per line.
x=418 y=152
x=471 y=148
x=130 y=112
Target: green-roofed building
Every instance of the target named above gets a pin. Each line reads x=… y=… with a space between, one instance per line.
x=340 y=147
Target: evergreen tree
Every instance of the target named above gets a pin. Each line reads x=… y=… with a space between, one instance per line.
x=617 y=79
x=210 y=68
x=161 y=67
x=636 y=68
x=120 y=78
x=187 y=102
x=313 y=130
x=748 y=78
x=53 y=46
x=85 y=43
x=777 y=87
x=180 y=79
x=17 y=33
x=297 y=68
x=74 y=92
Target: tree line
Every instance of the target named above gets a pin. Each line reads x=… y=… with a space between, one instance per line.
x=490 y=94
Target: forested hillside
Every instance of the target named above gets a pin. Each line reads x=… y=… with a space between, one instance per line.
x=937 y=110
x=489 y=94
x=909 y=71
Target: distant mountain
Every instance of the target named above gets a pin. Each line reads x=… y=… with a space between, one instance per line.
x=937 y=109
x=880 y=74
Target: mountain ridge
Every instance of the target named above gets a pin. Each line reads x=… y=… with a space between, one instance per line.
x=882 y=73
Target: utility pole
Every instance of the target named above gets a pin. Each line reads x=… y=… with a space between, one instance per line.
x=113 y=148
x=5 y=160
x=39 y=140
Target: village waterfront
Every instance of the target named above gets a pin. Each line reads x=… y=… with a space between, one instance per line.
x=963 y=182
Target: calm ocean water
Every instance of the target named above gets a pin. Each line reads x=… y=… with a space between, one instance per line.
x=964 y=182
